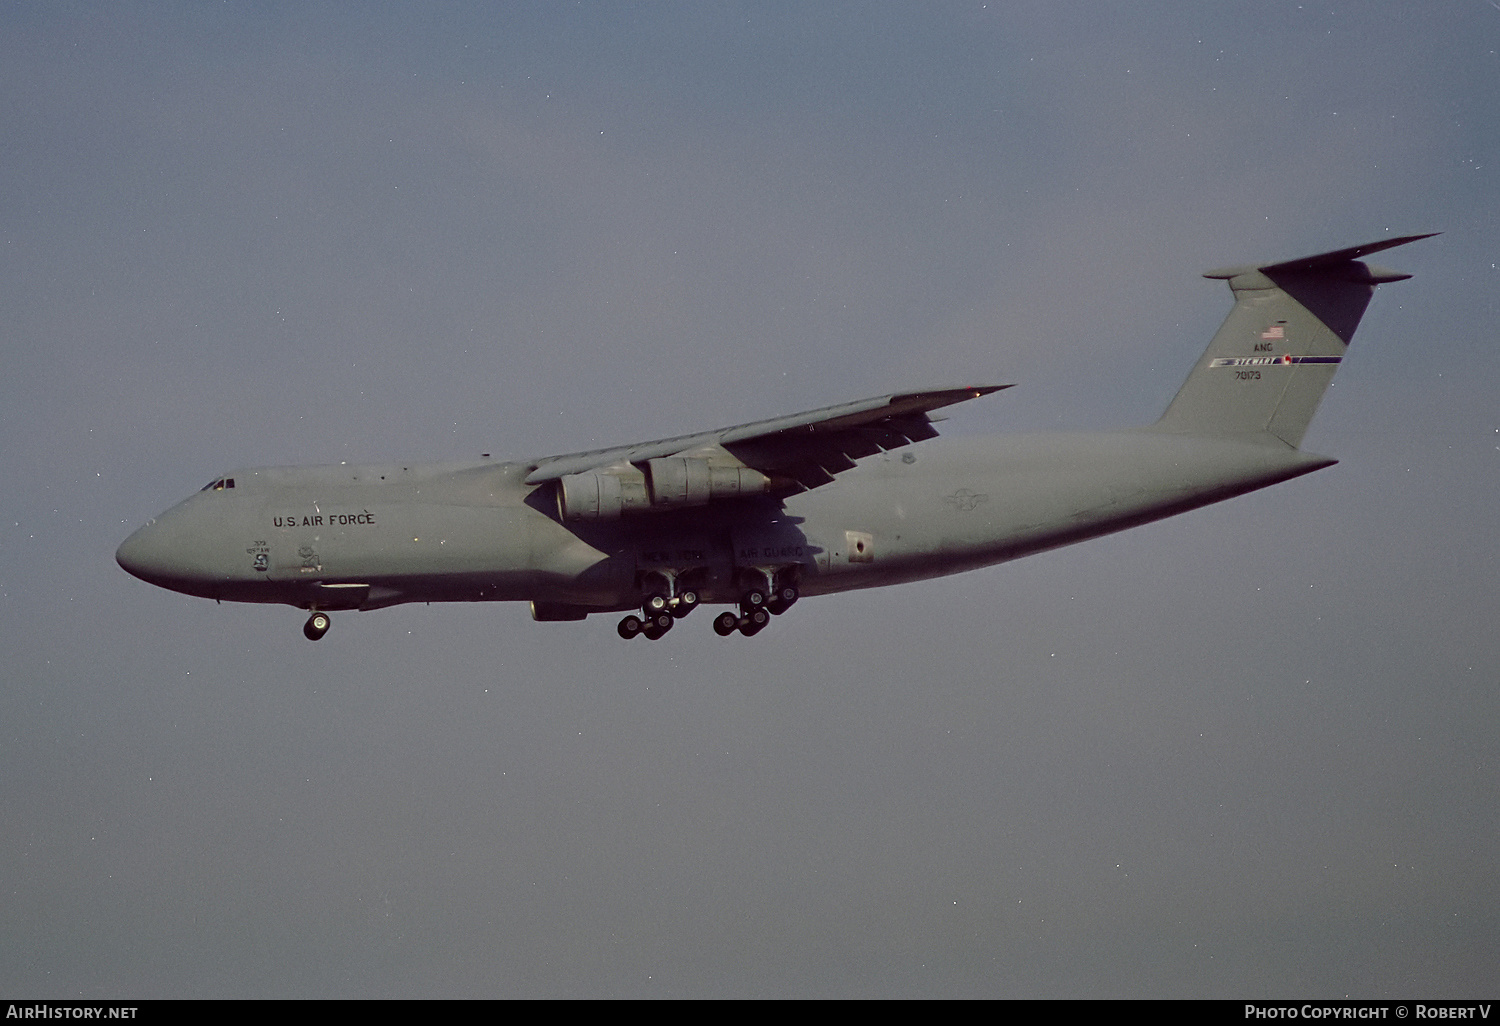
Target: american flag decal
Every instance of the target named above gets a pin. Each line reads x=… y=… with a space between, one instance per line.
x=1274 y=331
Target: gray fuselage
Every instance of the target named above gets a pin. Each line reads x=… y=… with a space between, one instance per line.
x=855 y=495
x=342 y=537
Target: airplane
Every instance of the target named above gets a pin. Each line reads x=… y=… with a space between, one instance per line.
x=758 y=516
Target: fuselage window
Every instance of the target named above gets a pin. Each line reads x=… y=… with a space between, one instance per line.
x=219 y=485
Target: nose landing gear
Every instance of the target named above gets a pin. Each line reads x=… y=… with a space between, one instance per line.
x=316 y=626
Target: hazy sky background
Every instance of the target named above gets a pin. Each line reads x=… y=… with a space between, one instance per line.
x=1252 y=751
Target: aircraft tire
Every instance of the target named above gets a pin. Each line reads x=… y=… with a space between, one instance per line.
x=316 y=626
x=755 y=622
x=726 y=624
x=785 y=597
x=630 y=627
x=686 y=603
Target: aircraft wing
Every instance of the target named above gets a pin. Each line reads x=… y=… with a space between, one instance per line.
x=808 y=448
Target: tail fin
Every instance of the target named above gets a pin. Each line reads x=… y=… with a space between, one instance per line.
x=1271 y=361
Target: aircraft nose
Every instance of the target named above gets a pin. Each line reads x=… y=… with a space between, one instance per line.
x=135 y=555
x=143 y=554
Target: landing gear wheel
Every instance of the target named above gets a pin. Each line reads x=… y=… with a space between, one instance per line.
x=754 y=622
x=726 y=624
x=658 y=625
x=316 y=626
x=785 y=596
x=656 y=593
x=630 y=627
x=686 y=603
x=753 y=599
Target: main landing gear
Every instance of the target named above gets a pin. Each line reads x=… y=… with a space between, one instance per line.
x=665 y=599
x=768 y=591
x=316 y=626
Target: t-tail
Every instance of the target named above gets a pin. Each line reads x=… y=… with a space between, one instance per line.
x=1270 y=363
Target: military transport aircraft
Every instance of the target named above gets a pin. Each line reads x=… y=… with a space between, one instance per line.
x=858 y=495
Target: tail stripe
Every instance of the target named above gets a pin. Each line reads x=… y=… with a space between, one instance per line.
x=1269 y=361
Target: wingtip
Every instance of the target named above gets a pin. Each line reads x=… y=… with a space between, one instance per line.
x=947 y=393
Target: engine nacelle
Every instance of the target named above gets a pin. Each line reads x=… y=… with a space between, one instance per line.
x=674 y=482
x=602 y=495
x=688 y=481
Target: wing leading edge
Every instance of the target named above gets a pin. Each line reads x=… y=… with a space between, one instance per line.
x=808 y=448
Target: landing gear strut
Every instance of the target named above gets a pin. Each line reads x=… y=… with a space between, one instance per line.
x=316 y=626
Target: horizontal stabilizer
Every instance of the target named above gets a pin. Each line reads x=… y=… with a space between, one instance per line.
x=1340 y=256
x=1340 y=259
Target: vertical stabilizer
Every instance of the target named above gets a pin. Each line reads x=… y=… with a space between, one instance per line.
x=1271 y=361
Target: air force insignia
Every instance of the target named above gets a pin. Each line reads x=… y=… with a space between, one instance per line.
x=965 y=501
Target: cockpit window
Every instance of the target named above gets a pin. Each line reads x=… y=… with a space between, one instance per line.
x=219 y=485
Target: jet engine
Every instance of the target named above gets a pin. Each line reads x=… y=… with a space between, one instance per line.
x=686 y=481
x=602 y=495
x=670 y=482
